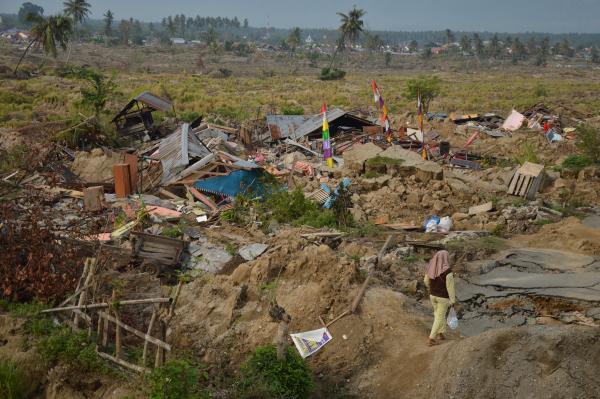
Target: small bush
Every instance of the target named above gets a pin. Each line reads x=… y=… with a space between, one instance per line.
x=177 y=379
x=332 y=74
x=15 y=158
x=73 y=348
x=292 y=110
x=577 y=162
x=527 y=153
x=14 y=383
x=189 y=116
x=540 y=91
x=588 y=141
x=288 y=378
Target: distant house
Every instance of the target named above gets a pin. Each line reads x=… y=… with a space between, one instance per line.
x=308 y=40
x=178 y=40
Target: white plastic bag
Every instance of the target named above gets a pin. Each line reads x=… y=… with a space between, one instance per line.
x=445 y=225
x=452 y=320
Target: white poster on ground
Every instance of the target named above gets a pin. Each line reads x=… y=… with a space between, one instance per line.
x=309 y=342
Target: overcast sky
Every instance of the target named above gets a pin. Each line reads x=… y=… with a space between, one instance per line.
x=554 y=16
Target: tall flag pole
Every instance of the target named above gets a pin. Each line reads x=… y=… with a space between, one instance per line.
x=327 y=153
x=420 y=118
x=384 y=111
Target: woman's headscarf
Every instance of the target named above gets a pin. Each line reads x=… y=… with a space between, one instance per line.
x=438 y=264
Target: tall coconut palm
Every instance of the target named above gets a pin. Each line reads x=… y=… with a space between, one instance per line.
x=78 y=10
x=350 y=29
x=49 y=32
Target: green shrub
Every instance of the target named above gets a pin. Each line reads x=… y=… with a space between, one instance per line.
x=577 y=162
x=527 y=153
x=15 y=158
x=332 y=74
x=14 y=383
x=540 y=91
x=288 y=378
x=177 y=379
x=292 y=110
x=588 y=141
x=74 y=348
x=189 y=116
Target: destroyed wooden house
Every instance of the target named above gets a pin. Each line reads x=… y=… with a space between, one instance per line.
x=296 y=127
x=136 y=117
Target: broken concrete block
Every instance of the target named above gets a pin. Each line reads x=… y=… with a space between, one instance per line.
x=92 y=198
x=252 y=251
x=358 y=154
x=477 y=209
x=413 y=165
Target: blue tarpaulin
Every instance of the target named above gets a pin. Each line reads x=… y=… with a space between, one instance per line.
x=237 y=182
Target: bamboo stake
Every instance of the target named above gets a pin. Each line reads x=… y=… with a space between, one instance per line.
x=124 y=363
x=103 y=305
x=118 y=349
x=100 y=330
x=91 y=262
x=149 y=332
x=160 y=354
x=139 y=333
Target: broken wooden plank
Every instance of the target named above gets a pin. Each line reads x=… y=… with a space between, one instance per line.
x=204 y=199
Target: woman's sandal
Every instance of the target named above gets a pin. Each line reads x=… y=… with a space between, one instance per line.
x=432 y=342
x=440 y=337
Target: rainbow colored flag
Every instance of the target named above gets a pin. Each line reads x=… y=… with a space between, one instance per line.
x=384 y=110
x=327 y=153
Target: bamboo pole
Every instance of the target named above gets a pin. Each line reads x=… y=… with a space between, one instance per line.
x=103 y=305
x=149 y=332
x=124 y=363
x=118 y=349
x=160 y=354
x=91 y=262
x=99 y=331
x=137 y=332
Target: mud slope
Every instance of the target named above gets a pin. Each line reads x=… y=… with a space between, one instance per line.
x=379 y=352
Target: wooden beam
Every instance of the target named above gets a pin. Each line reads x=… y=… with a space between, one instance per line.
x=204 y=199
x=134 y=331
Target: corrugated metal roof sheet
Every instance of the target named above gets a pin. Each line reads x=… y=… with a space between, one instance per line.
x=283 y=126
x=155 y=101
x=175 y=150
x=297 y=126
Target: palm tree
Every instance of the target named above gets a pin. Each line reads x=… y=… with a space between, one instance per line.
x=49 y=33
x=78 y=10
x=350 y=28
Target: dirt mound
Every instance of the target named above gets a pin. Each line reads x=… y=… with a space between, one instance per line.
x=95 y=166
x=540 y=361
x=568 y=235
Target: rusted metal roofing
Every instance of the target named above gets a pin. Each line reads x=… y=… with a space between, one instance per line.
x=283 y=126
x=298 y=126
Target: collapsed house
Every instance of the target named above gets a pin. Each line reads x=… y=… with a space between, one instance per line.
x=136 y=119
x=296 y=127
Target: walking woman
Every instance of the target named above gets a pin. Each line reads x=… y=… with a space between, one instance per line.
x=440 y=282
